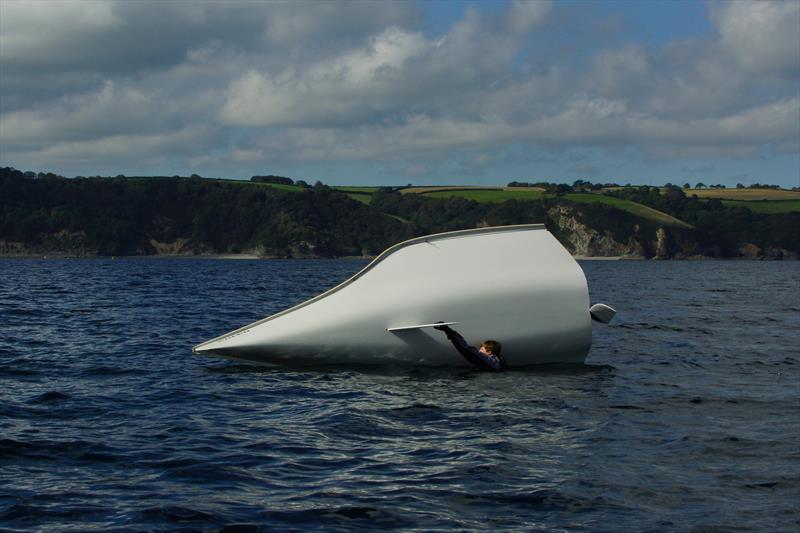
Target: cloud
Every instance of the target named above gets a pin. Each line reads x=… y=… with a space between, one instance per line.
x=523 y=15
x=761 y=36
x=345 y=89
x=123 y=36
x=405 y=93
x=66 y=46
x=249 y=83
x=107 y=112
x=112 y=148
x=396 y=72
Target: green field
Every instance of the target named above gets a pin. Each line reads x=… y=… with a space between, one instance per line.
x=498 y=195
x=769 y=207
x=279 y=186
x=361 y=194
x=347 y=188
x=487 y=195
x=364 y=198
x=768 y=201
x=626 y=205
x=744 y=194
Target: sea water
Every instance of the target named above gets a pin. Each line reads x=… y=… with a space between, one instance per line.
x=684 y=417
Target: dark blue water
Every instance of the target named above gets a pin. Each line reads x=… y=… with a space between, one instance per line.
x=687 y=415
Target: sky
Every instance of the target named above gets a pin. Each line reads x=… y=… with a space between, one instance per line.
x=389 y=93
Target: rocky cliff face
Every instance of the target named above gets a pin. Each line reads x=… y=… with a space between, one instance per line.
x=663 y=245
x=62 y=243
x=582 y=240
x=176 y=247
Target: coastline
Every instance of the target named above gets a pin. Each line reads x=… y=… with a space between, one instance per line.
x=252 y=257
x=226 y=257
x=607 y=258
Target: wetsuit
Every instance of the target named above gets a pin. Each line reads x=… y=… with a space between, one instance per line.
x=473 y=355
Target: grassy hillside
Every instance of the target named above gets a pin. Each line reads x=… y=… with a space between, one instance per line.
x=277 y=186
x=361 y=194
x=487 y=195
x=349 y=189
x=496 y=195
x=744 y=194
x=769 y=207
x=631 y=207
x=768 y=201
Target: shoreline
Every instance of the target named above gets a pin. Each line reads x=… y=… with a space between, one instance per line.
x=607 y=258
x=253 y=257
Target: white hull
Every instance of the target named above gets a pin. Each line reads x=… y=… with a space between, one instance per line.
x=515 y=284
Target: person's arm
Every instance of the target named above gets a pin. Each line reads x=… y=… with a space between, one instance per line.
x=470 y=353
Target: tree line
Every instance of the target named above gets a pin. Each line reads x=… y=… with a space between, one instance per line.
x=130 y=216
x=122 y=216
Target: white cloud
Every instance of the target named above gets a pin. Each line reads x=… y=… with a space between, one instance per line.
x=624 y=71
x=106 y=112
x=346 y=89
x=19 y=22
x=135 y=152
x=388 y=51
x=396 y=72
x=342 y=81
x=763 y=36
x=524 y=15
x=45 y=45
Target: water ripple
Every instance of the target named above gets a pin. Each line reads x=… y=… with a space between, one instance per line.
x=685 y=417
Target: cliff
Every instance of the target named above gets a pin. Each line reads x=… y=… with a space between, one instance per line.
x=586 y=241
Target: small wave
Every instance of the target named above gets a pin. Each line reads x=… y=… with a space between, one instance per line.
x=179 y=462
x=350 y=425
x=56 y=450
x=647 y=325
x=731 y=446
x=243 y=528
x=15 y=371
x=207 y=473
x=49 y=397
x=25 y=513
x=223 y=367
x=25 y=312
x=415 y=407
x=174 y=514
x=111 y=371
x=548 y=500
x=351 y=512
x=765 y=485
x=343 y=516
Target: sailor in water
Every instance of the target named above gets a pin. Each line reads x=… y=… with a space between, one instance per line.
x=487 y=357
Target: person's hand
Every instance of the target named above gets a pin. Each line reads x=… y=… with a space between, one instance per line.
x=443 y=327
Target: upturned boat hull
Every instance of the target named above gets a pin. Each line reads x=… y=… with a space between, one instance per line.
x=515 y=284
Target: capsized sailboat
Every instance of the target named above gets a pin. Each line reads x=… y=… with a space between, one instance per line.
x=516 y=284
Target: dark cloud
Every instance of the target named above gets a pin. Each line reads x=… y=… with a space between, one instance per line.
x=69 y=46
x=242 y=84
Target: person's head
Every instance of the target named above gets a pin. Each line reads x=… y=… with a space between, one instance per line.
x=490 y=347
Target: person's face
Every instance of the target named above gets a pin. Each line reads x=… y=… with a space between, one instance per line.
x=484 y=351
